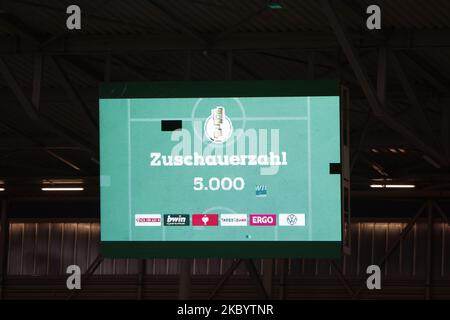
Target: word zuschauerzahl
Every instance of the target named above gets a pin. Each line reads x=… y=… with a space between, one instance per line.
x=157 y=159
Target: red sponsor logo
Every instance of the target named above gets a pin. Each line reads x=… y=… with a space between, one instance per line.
x=263 y=220
x=147 y=220
x=205 y=220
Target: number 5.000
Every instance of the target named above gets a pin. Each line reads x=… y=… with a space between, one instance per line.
x=215 y=184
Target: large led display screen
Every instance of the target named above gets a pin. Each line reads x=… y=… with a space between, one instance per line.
x=220 y=169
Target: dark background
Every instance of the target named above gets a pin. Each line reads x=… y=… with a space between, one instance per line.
x=397 y=80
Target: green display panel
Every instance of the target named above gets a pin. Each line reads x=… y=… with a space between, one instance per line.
x=220 y=169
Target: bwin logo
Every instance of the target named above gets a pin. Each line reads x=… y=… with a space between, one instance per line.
x=261 y=191
x=176 y=220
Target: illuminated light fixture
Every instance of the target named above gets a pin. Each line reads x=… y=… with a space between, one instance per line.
x=275 y=4
x=374 y=150
x=392 y=186
x=393 y=150
x=402 y=150
x=62 y=185
x=2 y=189
x=61 y=189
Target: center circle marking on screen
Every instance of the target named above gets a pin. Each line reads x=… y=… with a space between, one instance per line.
x=224 y=209
x=207 y=142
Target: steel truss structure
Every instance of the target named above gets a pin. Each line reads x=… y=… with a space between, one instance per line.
x=399 y=105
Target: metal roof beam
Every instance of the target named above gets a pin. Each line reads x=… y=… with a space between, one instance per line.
x=83 y=70
x=241 y=22
x=382 y=75
x=28 y=107
x=367 y=87
x=418 y=110
x=312 y=40
x=243 y=67
x=37 y=80
x=445 y=129
x=18 y=26
x=431 y=76
x=14 y=25
x=73 y=94
x=177 y=20
x=32 y=113
x=137 y=73
x=90 y=94
x=42 y=147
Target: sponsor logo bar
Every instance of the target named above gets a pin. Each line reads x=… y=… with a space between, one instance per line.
x=263 y=220
x=147 y=220
x=292 y=219
x=205 y=220
x=231 y=220
x=176 y=220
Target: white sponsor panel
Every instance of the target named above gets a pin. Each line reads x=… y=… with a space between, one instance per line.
x=232 y=220
x=292 y=219
x=147 y=220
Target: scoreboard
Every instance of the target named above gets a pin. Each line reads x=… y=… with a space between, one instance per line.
x=220 y=169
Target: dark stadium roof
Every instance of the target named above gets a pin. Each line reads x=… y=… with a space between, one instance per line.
x=148 y=40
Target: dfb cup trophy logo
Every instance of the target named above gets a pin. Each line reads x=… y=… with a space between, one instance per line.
x=218 y=127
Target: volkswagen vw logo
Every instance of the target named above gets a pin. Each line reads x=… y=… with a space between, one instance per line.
x=292 y=219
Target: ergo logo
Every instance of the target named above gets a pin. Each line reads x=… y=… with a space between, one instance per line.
x=263 y=220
